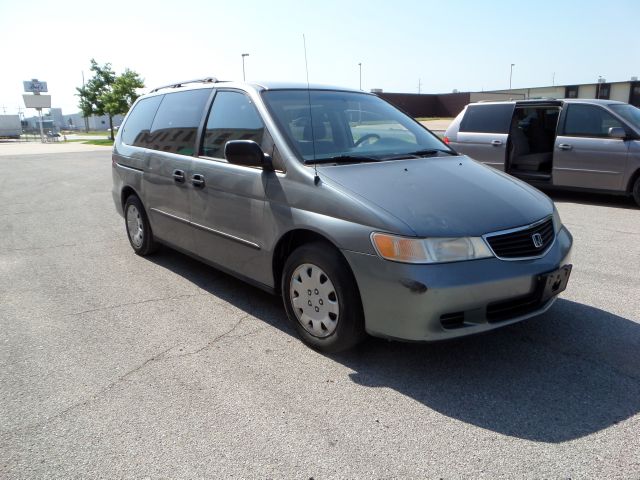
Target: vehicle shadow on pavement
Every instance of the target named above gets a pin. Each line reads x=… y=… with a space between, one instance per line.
x=596 y=199
x=569 y=373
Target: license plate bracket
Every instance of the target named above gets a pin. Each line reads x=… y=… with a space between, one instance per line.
x=554 y=283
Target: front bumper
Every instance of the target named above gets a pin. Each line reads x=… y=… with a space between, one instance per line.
x=460 y=298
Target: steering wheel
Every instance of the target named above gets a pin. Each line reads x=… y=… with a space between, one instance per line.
x=366 y=137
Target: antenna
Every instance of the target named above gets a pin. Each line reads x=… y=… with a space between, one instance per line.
x=316 y=178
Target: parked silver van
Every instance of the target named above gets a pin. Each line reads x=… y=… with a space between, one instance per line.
x=363 y=220
x=572 y=143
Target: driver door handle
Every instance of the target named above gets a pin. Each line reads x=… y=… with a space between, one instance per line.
x=565 y=146
x=197 y=180
x=496 y=143
x=178 y=176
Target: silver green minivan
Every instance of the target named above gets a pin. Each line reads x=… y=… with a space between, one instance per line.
x=362 y=219
x=578 y=144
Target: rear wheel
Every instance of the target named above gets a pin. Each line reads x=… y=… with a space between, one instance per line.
x=636 y=191
x=321 y=298
x=138 y=229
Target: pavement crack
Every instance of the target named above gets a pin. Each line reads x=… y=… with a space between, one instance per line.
x=127 y=304
x=29 y=249
x=217 y=338
x=102 y=391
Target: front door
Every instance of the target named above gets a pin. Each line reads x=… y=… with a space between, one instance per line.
x=584 y=154
x=228 y=201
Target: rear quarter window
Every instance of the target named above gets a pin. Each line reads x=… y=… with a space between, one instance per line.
x=487 y=118
x=135 y=130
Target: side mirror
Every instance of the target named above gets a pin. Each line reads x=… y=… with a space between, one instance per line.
x=247 y=153
x=617 y=132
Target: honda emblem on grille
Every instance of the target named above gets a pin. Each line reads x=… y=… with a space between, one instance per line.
x=537 y=240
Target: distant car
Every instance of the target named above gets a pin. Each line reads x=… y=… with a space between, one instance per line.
x=571 y=143
x=362 y=219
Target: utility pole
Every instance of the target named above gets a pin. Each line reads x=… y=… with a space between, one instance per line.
x=419 y=85
x=511 y=74
x=243 y=74
x=553 y=80
x=360 y=66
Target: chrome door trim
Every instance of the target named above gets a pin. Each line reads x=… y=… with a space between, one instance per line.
x=227 y=236
x=586 y=170
x=207 y=229
x=133 y=169
x=174 y=217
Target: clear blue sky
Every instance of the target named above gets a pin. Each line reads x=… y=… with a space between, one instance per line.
x=466 y=45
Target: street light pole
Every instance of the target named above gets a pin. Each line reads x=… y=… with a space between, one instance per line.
x=511 y=74
x=360 y=66
x=243 y=75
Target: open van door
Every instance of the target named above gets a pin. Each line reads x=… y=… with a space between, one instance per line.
x=484 y=132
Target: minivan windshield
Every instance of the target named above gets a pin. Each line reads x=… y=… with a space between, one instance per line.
x=327 y=126
x=628 y=112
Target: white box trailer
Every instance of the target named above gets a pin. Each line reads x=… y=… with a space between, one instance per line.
x=10 y=126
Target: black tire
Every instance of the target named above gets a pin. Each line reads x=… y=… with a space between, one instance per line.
x=636 y=191
x=142 y=242
x=347 y=329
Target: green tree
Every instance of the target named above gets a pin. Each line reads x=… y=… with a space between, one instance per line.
x=107 y=93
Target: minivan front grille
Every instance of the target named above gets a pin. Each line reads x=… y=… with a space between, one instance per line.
x=531 y=241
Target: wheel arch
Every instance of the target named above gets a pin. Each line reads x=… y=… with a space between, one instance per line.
x=289 y=242
x=126 y=192
x=632 y=180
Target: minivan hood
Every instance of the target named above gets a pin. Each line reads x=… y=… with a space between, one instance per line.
x=442 y=197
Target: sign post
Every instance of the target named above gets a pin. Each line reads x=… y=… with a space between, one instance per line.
x=37 y=100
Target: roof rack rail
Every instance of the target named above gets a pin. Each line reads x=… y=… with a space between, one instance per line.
x=180 y=84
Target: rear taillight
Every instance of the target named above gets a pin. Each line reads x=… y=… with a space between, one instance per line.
x=446 y=140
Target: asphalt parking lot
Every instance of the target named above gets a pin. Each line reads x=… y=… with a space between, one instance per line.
x=113 y=365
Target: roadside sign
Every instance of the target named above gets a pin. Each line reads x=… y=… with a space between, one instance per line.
x=37 y=101
x=35 y=86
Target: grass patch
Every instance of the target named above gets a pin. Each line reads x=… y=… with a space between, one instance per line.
x=105 y=142
x=93 y=133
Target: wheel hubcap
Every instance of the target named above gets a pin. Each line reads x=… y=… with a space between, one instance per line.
x=135 y=226
x=314 y=300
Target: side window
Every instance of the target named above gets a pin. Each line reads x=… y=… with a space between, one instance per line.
x=176 y=124
x=589 y=121
x=232 y=117
x=136 y=129
x=487 y=118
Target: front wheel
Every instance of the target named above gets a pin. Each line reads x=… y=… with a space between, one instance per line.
x=321 y=298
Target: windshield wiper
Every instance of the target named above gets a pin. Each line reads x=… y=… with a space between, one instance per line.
x=431 y=151
x=342 y=159
x=418 y=154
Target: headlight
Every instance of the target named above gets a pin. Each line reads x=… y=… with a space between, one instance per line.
x=557 y=223
x=429 y=250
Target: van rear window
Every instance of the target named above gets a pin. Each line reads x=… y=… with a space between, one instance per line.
x=138 y=123
x=487 y=118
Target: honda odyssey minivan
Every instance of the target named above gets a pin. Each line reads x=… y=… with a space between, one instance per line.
x=359 y=217
x=579 y=144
